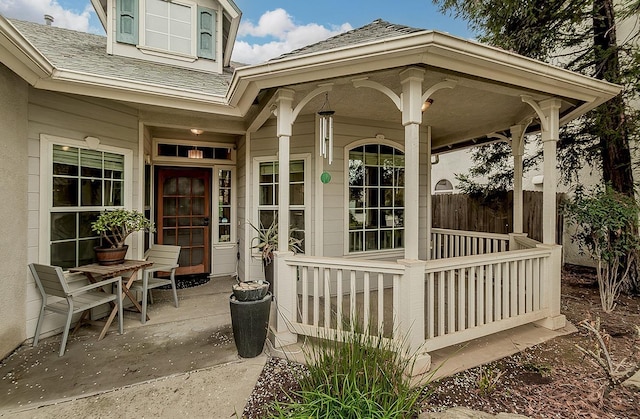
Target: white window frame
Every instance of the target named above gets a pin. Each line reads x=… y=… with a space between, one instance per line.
x=46 y=185
x=306 y=158
x=142 y=32
x=347 y=149
x=234 y=206
x=157 y=159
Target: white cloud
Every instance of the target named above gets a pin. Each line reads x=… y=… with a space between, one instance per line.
x=34 y=11
x=285 y=36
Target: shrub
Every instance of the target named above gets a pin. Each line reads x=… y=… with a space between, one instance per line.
x=607 y=228
x=365 y=376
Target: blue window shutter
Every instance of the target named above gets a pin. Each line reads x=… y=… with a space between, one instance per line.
x=127 y=21
x=206 y=33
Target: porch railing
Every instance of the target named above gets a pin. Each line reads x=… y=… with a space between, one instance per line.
x=447 y=243
x=473 y=296
x=430 y=304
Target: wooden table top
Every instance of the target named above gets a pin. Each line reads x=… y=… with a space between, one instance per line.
x=112 y=270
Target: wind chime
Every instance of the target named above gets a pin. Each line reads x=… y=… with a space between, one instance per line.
x=326 y=135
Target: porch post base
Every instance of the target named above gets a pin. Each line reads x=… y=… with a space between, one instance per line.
x=553 y=323
x=279 y=335
x=420 y=371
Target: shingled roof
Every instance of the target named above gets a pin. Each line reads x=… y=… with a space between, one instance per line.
x=87 y=53
x=378 y=29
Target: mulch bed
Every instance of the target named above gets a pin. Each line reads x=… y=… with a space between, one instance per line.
x=550 y=380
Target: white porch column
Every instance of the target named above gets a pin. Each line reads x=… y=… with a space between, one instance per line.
x=550 y=109
x=426 y=253
x=517 y=151
x=284 y=113
x=285 y=287
x=411 y=80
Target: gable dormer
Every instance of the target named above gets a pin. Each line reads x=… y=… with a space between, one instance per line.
x=196 y=34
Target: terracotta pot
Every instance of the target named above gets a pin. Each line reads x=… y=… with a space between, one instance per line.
x=110 y=256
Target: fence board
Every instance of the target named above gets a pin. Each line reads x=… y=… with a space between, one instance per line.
x=462 y=212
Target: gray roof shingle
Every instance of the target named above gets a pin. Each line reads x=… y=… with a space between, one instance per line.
x=378 y=29
x=87 y=53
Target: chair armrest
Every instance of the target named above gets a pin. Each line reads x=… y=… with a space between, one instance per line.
x=160 y=268
x=96 y=285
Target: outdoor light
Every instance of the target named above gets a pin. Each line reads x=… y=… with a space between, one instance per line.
x=194 y=153
x=427 y=103
x=326 y=129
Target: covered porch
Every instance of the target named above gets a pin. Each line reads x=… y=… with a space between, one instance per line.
x=440 y=287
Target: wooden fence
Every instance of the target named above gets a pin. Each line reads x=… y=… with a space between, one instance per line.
x=462 y=212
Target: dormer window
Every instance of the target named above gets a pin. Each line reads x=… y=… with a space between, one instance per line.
x=175 y=27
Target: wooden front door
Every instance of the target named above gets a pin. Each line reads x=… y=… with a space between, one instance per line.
x=184 y=214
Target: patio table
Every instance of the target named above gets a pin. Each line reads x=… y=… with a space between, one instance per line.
x=93 y=270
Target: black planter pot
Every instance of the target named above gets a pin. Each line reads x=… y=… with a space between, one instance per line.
x=250 y=322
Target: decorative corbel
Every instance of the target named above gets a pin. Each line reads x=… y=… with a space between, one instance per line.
x=364 y=82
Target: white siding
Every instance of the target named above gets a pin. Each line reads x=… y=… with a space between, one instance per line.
x=72 y=117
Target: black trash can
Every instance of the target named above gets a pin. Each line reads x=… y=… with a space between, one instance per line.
x=250 y=322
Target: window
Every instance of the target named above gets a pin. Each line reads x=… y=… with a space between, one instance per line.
x=84 y=182
x=376 y=198
x=225 y=205
x=443 y=186
x=268 y=196
x=168 y=26
x=176 y=27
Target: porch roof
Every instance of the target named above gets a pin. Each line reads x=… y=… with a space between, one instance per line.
x=486 y=99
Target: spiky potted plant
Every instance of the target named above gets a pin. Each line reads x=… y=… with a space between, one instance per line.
x=114 y=227
x=266 y=242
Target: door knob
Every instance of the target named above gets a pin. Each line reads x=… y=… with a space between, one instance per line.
x=206 y=221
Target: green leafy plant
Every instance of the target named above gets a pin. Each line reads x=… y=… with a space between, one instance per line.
x=606 y=224
x=266 y=241
x=488 y=379
x=115 y=226
x=355 y=375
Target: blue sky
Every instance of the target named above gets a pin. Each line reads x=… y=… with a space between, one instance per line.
x=268 y=28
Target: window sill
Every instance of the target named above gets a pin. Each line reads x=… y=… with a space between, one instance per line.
x=167 y=54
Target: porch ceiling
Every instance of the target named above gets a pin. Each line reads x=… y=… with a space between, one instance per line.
x=471 y=110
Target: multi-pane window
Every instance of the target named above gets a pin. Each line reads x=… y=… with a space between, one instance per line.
x=268 y=196
x=376 y=198
x=224 y=205
x=84 y=183
x=168 y=26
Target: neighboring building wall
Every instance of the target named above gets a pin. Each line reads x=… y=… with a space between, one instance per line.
x=15 y=219
x=72 y=117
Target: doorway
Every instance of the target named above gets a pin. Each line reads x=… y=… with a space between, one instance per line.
x=184 y=215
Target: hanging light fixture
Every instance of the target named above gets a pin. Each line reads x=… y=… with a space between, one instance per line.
x=326 y=129
x=194 y=153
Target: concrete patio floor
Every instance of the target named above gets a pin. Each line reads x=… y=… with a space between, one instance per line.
x=162 y=353
x=182 y=362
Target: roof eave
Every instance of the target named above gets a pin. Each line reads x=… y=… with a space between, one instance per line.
x=23 y=58
x=429 y=48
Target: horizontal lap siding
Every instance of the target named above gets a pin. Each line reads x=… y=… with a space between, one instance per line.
x=73 y=117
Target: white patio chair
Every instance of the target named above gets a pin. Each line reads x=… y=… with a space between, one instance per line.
x=51 y=281
x=165 y=259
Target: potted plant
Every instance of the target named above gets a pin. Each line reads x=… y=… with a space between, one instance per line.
x=114 y=227
x=266 y=242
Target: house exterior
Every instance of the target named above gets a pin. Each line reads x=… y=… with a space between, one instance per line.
x=157 y=118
